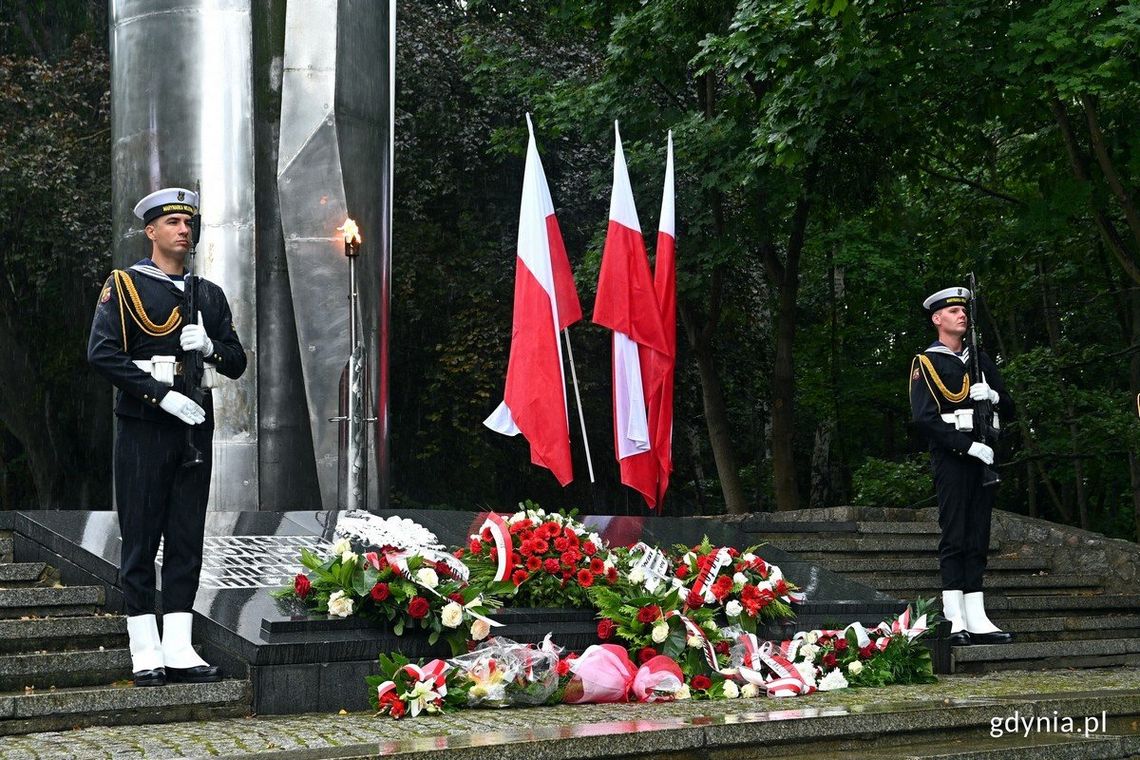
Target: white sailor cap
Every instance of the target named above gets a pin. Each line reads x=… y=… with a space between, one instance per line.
x=168 y=200
x=946 y=297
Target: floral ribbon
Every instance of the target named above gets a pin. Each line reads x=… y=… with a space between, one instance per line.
x=701 y=585
x=501 y=534
x=430 y=684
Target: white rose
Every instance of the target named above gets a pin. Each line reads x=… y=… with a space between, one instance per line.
x=733 y=608
x=348 y=558
x=555 y=518
x=340 y=605
x=808 y=652
x=739 y=579
x=749 y=557
x=832 y=681
x=682 y=693
x=694 y=642
x=637 y=575
x=764 y=585
x=807 y=672
x=596 y=540
x=709 y=625
x=811 y=637
x=855 y=668
x=517 y=517
x=774 y=573
x=750 y=691
x=660 y=631
x=479 y=630
x=341 y=546
x=731 y=690
x=451 y=615
x=427 y=578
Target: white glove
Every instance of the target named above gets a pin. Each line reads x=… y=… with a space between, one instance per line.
x=981 y=451
x=194 y=338
x=983 y=392
x=182 y=407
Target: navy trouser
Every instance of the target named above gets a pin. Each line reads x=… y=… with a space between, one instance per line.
x=156 y=499
x=964 y=511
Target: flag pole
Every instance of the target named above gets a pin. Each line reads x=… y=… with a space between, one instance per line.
x=578 y=398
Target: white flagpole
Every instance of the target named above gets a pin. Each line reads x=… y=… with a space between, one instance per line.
x=578 y=398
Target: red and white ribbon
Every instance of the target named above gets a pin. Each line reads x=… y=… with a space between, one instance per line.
x=701 y=585
x=501 y=534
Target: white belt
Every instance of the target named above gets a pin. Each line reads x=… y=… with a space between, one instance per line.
x=164 y=368
x=951 y=419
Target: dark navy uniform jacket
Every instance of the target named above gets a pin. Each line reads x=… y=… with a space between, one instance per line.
x=938 y=386
x=138 y=316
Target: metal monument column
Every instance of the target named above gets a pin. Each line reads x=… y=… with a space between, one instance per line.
x=181 y=111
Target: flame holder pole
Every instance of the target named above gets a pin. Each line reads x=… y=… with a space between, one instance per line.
x=356 y=494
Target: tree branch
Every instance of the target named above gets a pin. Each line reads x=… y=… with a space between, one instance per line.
x=975 y=185
x=1107 y=167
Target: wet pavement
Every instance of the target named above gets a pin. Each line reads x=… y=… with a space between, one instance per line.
x=967 y=704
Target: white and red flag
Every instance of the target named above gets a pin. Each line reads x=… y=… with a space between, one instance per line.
x=665 y=285
x=627 y=304
x=546 y=301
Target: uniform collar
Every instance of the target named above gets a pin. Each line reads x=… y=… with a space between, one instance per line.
x=146 y=267
x=938 y=347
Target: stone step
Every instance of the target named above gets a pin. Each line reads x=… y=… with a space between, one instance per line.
x=1046 y=655
x=1025 y=605
x=875 y=528
x=84 y=667
x=62 y=633
x=50 y=601
x=59 y=709
x=819 y=547
x=1055 y=628
x=1014 y=583
x=6 y=546
x=930 y=564
x=17 y=574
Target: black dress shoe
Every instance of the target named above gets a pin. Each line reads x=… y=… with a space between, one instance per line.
x=997 y=637
x=153 y=677
x=961 y=639
x=197 y=674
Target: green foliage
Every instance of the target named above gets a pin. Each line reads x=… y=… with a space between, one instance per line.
x=882 y=483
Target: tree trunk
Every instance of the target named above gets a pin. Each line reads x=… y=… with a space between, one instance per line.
x=821 y=475
x=783 y=404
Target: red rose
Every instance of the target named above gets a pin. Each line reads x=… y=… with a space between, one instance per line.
x=457 y=598
x=518 y=576
x=301 y=585
x=648 y=613
x=533 y=563
x=551 y=565
x=694 y=600
x=645 y=654
x=589 y=549
x=721 y=647
x=829 y=660
x=563 y=667
x=418 y=608
x=682 y=571
x=380 y=592
x=606 y=629
x=585 y=578
x=867 y=652
x=597 y=567
x=475 y=546
x=700 y=683
x=841 y=645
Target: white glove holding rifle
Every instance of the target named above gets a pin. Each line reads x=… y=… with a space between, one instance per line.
x=983 y=392
x=194 y=338
x=182 y=407
x=981 y=451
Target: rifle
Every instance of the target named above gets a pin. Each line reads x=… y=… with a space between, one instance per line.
x=192 y=361
x=984 y=430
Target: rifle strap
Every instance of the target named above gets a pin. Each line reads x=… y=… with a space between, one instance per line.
x=932 y=374
x=137 y=312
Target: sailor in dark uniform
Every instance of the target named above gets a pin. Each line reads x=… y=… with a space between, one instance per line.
x=138 y=337
x=942 y=406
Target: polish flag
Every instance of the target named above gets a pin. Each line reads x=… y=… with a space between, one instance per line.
x=627 y=304
x=665 y=284
x=546 y=301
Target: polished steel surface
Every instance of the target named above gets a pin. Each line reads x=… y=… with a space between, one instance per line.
x=181 y=111
x=333 y=163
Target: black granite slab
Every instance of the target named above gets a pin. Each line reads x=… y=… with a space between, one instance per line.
x=300 y=663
